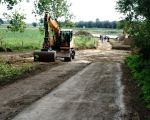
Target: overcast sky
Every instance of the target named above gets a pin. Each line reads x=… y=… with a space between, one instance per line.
x=92 y=9
x=82 y=9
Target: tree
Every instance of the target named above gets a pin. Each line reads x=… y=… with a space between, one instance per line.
x=41 y=20
x=34 y=24
x=137 y=14
x=10 y=3
x=67 y=24
x=1 y=21
x=113 y=24
x=96 y=24
x=16 y=22
x=56 y=8
x=134 y=9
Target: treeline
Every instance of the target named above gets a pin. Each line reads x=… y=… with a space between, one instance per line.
x=96 y=24
x=81 y=24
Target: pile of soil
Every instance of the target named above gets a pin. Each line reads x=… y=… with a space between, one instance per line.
x=119 y=45
x=82 y=32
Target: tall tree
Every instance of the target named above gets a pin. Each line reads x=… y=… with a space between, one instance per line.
x=137 y=14
x=10 y=3
x=134 y=8
x=56 y=8
x=16 y=22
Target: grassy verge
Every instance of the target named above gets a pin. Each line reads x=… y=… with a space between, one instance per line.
x=141 y=73
x=85 y=42
x=10 y=71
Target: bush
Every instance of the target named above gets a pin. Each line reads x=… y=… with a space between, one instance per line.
x=34 y=24
x=141 y=73
x=140 y=32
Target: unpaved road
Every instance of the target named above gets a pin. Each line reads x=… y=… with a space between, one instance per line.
x=17 y=96
x=95 y=93
x=88 y=88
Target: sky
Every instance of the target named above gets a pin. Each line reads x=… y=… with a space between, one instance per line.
x=92 y=9
x=85 y=10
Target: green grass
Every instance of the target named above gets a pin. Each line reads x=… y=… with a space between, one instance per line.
x=85 y=42
x=10 y=72
x=141 y=73
x=29 y=40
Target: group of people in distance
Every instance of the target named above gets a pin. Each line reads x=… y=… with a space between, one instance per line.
x=104 y=38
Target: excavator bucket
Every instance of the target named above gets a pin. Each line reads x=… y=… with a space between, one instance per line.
x=44 y=56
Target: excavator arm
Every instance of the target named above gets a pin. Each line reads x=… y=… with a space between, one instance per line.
x=53 y=25
x=50 y=25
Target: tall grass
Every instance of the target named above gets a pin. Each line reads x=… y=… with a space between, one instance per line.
x=85 y=42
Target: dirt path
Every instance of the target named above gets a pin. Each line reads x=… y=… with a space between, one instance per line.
x=92 y=89
x=93 y=94
x=16 y=96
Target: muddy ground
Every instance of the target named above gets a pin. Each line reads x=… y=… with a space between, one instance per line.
x=17 y=96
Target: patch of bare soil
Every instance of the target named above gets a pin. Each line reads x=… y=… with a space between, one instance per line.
x=17 y=96
x=121 y=47
x=21 y=60
x=22 y=90
x=132 y=98
x=35 y=84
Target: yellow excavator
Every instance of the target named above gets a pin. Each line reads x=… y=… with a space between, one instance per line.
x=57 y=43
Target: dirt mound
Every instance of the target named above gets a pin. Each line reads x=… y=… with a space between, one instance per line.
x=121 y=47
x=82 y=32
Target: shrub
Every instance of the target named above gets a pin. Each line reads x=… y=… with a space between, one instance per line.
x=141 y=73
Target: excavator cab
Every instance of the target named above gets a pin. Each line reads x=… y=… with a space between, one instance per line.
x=66 y=38
x=64 y=45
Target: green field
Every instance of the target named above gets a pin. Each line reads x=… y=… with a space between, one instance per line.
x=31 y=39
